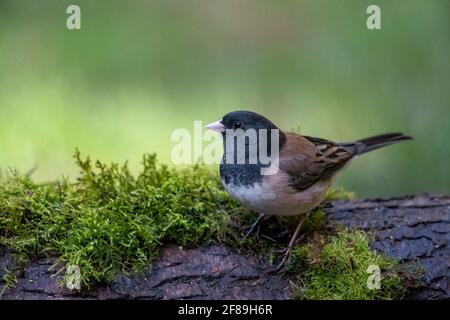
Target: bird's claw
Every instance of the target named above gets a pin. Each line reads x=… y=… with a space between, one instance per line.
x=283 y=262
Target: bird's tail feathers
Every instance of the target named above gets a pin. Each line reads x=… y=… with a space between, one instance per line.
x=380 y=141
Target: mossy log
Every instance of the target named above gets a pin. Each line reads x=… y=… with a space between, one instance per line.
x=413 y=230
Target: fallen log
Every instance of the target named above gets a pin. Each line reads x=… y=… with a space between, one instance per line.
x=412 y=229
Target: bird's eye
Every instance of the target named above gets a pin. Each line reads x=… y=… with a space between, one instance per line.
x=237 y=124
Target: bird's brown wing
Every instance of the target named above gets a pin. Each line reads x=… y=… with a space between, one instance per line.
x=308 y=160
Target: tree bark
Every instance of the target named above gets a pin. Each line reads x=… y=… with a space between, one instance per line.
x=410 y=229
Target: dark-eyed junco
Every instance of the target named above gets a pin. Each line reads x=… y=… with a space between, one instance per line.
x=306 y=166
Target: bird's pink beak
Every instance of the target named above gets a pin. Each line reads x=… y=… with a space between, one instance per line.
x=216 y=126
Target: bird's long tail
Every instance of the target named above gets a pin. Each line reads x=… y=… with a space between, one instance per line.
x=372 y=143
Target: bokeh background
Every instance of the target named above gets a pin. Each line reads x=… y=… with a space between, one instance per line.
x=137 y=70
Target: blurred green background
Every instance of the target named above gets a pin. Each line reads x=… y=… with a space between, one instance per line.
x=137 y=70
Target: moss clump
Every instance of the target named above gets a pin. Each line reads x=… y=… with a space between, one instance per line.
x=109 y=220
x=339 y=194
x=315 y=222
x=9 y=278
x=337 y=268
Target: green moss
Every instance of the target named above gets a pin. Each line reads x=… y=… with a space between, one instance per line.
x=110 y=221
x=337 y=268
x=315 y=221
x=9 y=278
x=339 y=193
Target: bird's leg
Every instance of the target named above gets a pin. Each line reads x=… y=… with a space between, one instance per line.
x=252 y=227
x=287 y=254
x=295 y=243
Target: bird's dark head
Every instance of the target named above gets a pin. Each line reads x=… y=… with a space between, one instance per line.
x=244 y=120
x=252 y=128
x=251 y=145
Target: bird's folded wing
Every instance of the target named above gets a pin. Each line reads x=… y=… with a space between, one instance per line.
x=308 y=160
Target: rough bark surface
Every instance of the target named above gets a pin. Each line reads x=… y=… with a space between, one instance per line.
x=411 y=229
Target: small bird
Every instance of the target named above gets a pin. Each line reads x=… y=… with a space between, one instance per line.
x=307 y=167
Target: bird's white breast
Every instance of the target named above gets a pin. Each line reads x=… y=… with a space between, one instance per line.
x=274 y=196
